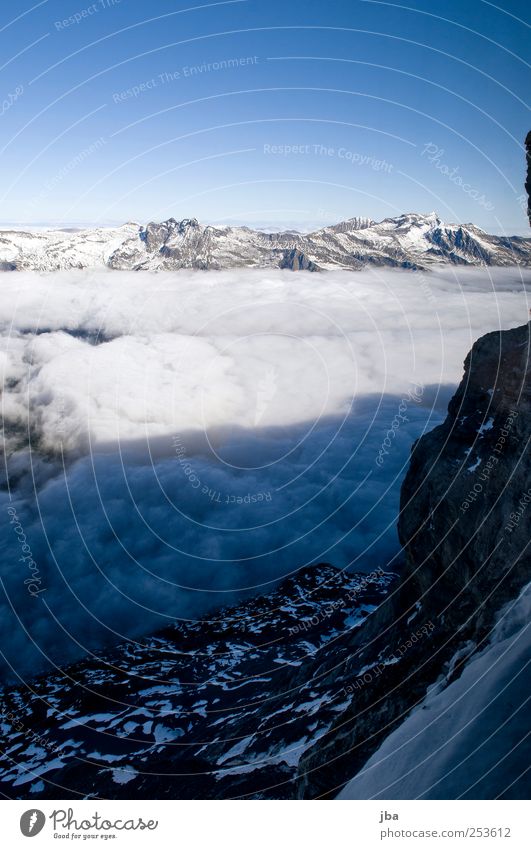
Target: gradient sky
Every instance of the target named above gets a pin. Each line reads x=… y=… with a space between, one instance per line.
x=359 y=87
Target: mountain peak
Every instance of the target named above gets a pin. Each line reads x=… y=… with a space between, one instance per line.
x=412 y=241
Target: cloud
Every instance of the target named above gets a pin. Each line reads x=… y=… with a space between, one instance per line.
x=197 y=436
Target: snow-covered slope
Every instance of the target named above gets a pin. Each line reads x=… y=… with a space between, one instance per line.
x=464 y=740
x=52 y=250
x=408 y=241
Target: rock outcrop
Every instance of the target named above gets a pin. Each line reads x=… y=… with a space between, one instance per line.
x=464 y=525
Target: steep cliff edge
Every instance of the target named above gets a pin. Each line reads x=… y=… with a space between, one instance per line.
x=464 y=522
x=463 y=501
x=468 y=739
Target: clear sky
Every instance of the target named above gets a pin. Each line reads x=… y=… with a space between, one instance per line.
x=294 y=113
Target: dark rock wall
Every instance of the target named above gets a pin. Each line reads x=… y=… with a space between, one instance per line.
x=464 y=525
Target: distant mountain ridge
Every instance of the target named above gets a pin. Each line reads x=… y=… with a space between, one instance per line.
x=410 y=241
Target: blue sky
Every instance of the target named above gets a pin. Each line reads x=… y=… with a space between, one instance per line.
x=270 y=113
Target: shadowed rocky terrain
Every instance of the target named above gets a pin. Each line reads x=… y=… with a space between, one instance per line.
x=217 y=708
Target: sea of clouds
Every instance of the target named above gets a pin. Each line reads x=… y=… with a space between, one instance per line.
x=174 y=441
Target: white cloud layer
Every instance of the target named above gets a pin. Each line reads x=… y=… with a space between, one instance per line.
x=197 y=435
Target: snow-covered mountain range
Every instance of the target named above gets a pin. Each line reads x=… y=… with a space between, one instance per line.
x=408 y=241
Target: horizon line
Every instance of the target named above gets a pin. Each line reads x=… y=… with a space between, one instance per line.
x=268 y=226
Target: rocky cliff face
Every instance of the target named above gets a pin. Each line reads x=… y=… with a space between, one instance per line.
x=467 y=486
x=464 y=525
